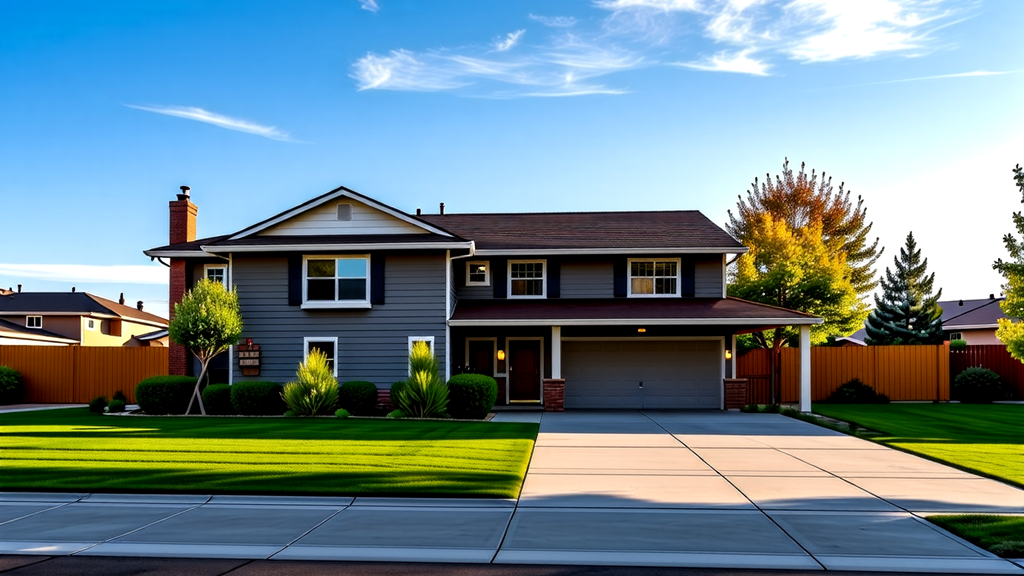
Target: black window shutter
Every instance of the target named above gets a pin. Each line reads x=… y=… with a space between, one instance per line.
x=499 y=277
x=687 y=273
x=377 y=278
x=619 y=273
x=295 y=280
x=554 y=274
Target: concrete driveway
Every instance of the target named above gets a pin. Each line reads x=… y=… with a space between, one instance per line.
x=604 y=488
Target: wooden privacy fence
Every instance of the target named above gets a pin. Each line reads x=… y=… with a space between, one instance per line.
x=77 y=374
x=995 y=357
x=899 y=372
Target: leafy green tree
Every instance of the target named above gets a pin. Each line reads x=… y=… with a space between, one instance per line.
x=207 y=322
x=1011 y=330
x=907 y=312
x=801 y=199
x=795 y=268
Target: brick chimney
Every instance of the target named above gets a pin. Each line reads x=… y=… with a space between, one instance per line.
x=183 y=229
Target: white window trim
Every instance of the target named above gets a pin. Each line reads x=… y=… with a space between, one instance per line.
x=40 y=327
x=322 y=304
x=208 y=267
x=487 y=281
x=956 y=336
x=430 y=342
x=87 y=321
x=629 y=277
x=543 y=278
x=311 y=339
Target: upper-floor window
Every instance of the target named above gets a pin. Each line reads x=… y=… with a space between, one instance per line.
x=90 y=324
x=33 y=321
x=526 y=279
x=336 y=282
x=478 y=273
x=654 y=277
x=216 y=273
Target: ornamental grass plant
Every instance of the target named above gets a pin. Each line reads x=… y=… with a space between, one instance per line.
x=315 y=389
x=425 y=394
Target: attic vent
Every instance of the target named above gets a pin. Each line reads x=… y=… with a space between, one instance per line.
x=344 y=212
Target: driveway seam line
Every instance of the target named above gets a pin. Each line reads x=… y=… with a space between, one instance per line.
x=242 y=565
x=304 y=534
x=91 y=546
x=515 y=508
x=40 y=560
x=735 y=487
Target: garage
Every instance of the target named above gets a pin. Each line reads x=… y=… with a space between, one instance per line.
x=650 y=374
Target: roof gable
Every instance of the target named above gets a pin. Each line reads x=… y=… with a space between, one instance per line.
x=320 y=217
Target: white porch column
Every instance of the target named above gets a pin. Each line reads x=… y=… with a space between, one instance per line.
x=556 y=352
x=805 y=368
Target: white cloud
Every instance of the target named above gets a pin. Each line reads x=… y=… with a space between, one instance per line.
x=506 y=44
x=554 y=21
x=227 y=122
x=115 y=274
x=369 y=5
x=665 y=5
x=738 y=62
x=973 y=74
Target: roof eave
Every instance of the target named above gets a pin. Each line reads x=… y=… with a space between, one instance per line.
x=344 y=247
x=586 y=251
x=732 y=322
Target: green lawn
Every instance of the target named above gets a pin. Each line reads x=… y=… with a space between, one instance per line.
x=985 y=438
x=1002 y=535
x=75 y=450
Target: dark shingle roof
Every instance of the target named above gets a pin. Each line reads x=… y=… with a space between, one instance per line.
x=73 y=303
x=683 y=229
x=661 y=309
x=973 y=313
x=339 y=240
x=189 y=246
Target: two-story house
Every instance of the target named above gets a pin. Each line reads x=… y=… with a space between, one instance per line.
x=581 y=309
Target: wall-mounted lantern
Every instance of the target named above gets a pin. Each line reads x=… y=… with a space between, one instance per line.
x=728 y=354
x=641 y=330
x=501 y=354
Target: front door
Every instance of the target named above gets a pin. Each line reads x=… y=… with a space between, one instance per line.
x=524 y=371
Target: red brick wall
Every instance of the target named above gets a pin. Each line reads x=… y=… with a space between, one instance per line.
x=183 y=221
x=177 y=358
x=554 y=394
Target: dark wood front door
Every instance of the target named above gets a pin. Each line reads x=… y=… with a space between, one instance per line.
x=524 y=370
x=481 y=357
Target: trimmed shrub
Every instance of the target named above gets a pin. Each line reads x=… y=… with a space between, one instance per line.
x=115 y=406
x=165 y=394
x=856 y=392
x=977 y=385
x=425 y=394
x=315 y=389
x=119 y=395
x=750 y=408
x=98 y=404
x=396 y=415
x=471 y=396
x=257 y=398
x=11 y=385
x=358 y=397
x=396 y=391
x=957 y=345
x=341 y=413
x=217 y=400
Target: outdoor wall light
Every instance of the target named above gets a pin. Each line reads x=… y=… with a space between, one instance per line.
x=728 y=354
x=501 y=354
x=641 y=330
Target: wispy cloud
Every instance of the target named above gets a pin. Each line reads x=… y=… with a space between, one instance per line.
x=664 y=5
x=115 y=274
x=973 y=74
x=737 y=62
x=369 y=5
x=507 y=43
x=554 y=21
x=227 y=122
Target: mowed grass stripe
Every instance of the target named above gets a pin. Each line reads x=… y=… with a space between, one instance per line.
x=75 y=450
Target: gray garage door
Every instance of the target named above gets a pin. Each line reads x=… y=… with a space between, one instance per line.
x=675 y=374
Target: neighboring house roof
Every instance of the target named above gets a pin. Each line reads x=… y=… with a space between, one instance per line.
x=649 y=311
x=972 y=315
x=70 y=303
x=10 y=329
x=550 y=232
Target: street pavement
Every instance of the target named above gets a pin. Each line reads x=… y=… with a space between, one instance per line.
x=725 y=491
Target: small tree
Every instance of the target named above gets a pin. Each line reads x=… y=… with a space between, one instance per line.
x=907 y=312
x=1011 y=329
x=206 y=322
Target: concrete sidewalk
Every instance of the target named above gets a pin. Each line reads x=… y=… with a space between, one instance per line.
x=714 y=490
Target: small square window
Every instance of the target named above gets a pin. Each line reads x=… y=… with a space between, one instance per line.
x=329 y=346
x=956 y=336
x=33 y=321
x=90 y=324
x=217 y=274
x=478 y=274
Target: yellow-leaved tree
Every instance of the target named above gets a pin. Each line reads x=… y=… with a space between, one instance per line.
x=1011 y=330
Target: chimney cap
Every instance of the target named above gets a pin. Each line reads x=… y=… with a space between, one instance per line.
x=186 y=193
x=121 y=299
x=139 y=305
x=442 y=208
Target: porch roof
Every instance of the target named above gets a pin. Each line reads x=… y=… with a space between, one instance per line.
x=732 y=312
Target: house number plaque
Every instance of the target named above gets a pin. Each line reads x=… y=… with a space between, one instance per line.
x=249 y=359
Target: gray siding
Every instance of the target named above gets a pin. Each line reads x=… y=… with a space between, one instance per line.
x=587 y=280
x=708 y=277
x=372 y=344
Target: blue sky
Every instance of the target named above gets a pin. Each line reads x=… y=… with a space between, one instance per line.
x=107 y=107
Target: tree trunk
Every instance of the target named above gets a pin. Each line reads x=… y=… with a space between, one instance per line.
x=196 y=395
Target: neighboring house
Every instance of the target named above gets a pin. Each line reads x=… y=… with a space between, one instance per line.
x=63 y=318
x=611 y=309
x=972 y=320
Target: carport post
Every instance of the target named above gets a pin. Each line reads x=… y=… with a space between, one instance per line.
x=805 y=368
x=556 y=352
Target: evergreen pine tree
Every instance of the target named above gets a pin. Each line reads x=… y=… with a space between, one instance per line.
x=907 y=312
